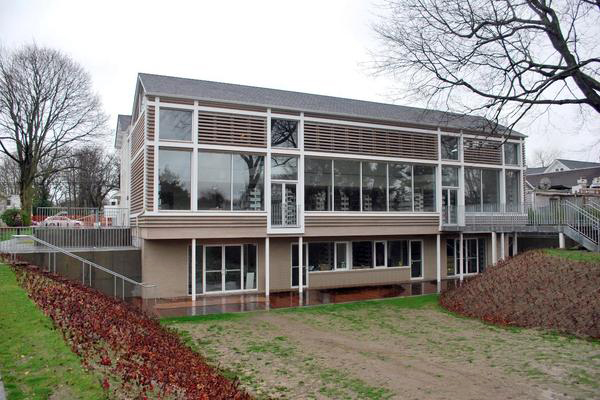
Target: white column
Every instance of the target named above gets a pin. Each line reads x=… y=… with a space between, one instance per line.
x=300 y=264
x=494 y=249
x=267 y=266
x=193 y=261
x=561 y=240
x=461 y=258
x=502 y=246
x=439 y=258
x=515 y=247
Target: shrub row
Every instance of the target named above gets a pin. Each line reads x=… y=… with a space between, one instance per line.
x=533 y=289
x=134 y=351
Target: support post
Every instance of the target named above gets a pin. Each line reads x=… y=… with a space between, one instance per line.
x=267 y=267
x=515 y=246
x=193 y=266
x=494 y=249
x=461 y=258
x=300 y=264
x=502 y=246
x=561 y=240
x=439 y=258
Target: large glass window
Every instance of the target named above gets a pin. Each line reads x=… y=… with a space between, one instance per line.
x=341 y=255
x=450 y=176
x=317 y=184
x=511 y=153
x=362 y=255
x=424 y=188
x=401 y=189
x=374 y=186
x=416 y=259
x=346 y=185
x=284 y=133
x=174 y=179
x=250 y=267
x=397 y=253
x=175 y=124
x=217 y=179
x=473 y=189
x=450 y=147
x=214 y=268
x=284 y=168
x=214 y=181
x=320 y=256
x=482 y=189
x=230 y=267
x=248 y=182
x=198 y=269
x=295 y=276
x=490 y=186
x=512 y=182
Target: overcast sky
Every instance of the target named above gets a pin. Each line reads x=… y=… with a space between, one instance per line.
x=310 y=46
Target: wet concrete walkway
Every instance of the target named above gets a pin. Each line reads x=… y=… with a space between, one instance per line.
x=214 y=304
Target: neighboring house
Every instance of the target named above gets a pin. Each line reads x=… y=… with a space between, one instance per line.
x=560 y=165
x=226 y=183
x=546 y=187
x=9 y=201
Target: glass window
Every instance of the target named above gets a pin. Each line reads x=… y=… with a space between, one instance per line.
x=174 y=179
x=233 y=267
x=490 y=188
x=380 y=256
x=198 y=269
x=320 y=256
x=482 y=261
x=424 y=188
x=397 y=253
x=416 y=259
x=284 y=133
x=511 y=153
x=450 y=176
x=341 y=255
x=250 y=269
x=214 y=181
x=513 y=182
x=248 y=182
x=214 y=266
x=295 y=276
x=374 y=186
x=450 y=257
x=449 y=147
x=284 y=168
x=317 y=184
x=346 y=185
x=401 y=187
x=473 y=189
x=471 y=255
x=362 y=255
x=175 y=124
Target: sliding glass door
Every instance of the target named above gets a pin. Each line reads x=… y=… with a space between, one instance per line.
x=230 y=267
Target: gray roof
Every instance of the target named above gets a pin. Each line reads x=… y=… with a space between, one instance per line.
x=575 y=164
x=257 y=96
x=565 y=178
x=123 y=121
x=535 y=170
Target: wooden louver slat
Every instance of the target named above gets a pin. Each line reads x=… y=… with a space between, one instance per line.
x=481 y=151
x=230 y=129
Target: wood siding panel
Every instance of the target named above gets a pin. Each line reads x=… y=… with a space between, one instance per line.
x=137 y=185
x=150 y=177
x=202 y=226
x=368 y=141
x=151 y=122
x=329 y=224
x=231 y=129
x=482 y=151
x=137 y=135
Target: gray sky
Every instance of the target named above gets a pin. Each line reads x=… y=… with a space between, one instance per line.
x=310 y=46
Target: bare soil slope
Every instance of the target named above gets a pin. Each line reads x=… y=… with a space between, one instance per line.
x=534 y=289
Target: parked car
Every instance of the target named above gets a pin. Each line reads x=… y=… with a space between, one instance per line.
x=61 y=220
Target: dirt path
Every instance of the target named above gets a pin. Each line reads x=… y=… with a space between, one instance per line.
x=399 y=354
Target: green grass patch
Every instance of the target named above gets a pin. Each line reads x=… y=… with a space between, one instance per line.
x=576 y=255
x=35 y=361
x=411 y=302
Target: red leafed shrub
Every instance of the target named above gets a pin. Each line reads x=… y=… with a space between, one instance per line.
x=131 y=347
x=533 y=289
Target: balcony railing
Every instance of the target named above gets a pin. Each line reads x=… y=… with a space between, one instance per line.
x=284 y=215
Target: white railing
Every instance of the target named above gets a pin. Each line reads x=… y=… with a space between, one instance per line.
x=61 y=217
x=87 y=272
x=285 y=215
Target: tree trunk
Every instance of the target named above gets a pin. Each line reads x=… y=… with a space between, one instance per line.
x=26 y=194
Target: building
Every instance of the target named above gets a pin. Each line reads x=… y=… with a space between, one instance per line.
x=235 y=180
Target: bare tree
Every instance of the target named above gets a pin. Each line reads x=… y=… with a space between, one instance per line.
x=9 y=176
x=544 y=157
x=514 y=55
x=46 y=105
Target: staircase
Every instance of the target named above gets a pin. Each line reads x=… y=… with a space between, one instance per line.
x=582 y=224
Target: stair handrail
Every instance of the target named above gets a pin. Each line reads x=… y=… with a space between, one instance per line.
x=594 y=222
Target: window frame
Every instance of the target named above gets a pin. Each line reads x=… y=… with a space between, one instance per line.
x=157 y=179
x=458 y=150
x=185 y=110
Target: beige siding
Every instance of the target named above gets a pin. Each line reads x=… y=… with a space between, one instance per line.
x=149 y=177
x=137 y=135
x=151 y=121
x=202 y=226
x=329 y=224
x=137 y=185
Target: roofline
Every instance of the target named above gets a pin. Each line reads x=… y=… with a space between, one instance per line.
x=570 y=170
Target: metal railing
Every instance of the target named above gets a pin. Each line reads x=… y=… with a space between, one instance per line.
x=77 y=268
x=285 y=215
x=101 y=237
x=70 y=217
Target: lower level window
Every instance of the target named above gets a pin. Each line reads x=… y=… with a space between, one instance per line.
x=416 y=259
x=474 y=260
x=295 y=263
x=226 y=268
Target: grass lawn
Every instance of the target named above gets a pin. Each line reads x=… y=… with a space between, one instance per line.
x=576 y=255
x=35 y=361
x=393 y=348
